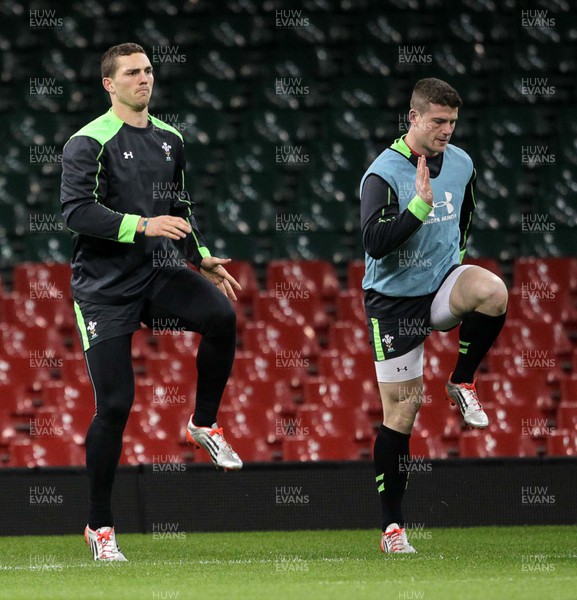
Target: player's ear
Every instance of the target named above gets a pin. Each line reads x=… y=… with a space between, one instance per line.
x=413 y=114
x=108 y=85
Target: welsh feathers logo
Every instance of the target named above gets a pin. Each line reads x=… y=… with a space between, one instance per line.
x=388 y=341
x=167 y=148
x=92 y=329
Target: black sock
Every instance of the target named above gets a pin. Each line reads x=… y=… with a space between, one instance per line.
x=214 y=363
x=390 y=445
x=476 y=335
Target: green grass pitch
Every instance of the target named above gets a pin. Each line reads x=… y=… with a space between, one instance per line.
x=487 y=563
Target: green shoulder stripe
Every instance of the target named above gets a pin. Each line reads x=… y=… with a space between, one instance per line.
x=161 y=125
x=400 y=146
x=102 y=129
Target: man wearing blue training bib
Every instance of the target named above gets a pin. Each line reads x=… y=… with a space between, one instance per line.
x=417 y=203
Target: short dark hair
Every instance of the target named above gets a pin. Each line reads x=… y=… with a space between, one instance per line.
x=435 y=91
x=108 y=61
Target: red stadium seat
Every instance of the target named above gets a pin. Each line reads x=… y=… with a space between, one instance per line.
x=486 y=263
x=16 y=399
x=344 y=423
x=14 y=427
x=436 y=417
x=569 y=389
x=482 y=444
x=305 y=449
x=350 y=337
x=165 y=456
x=427 y=446
x=67 y=395
x=526 y=421
x=74 y=369
x=142 y=343
x=530 y=305
x=253 y=449
x=438 y=364
x=46 y=452
x=351 y=307
x=352 y=394
x=42 y=276
x=170 y=369
x=268 y=306
x=184 y=343
x=316 y=276
x=505 y=361
x=248 y=366
x=529 y=390
x=25 y=370
x=154 y=423
x=558 y=272
x=342 y=365
x=255 y=366
x=291 y=344
x=441 y=341
x=243 y=272
x=260 y=394
x=355 y=274
x=530 y=335
x=252 y=422
x=38 y=308
x=41 y=345
x=77 y=421
x=567 y=416
x=562 y=443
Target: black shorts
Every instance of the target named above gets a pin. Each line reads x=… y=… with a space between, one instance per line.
x=398 y=325
x=405 y=326
x=99 y=322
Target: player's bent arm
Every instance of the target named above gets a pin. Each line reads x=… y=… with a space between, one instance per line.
x=384 y=227
x=82 y=185
x=193 y=246
x=466 y=217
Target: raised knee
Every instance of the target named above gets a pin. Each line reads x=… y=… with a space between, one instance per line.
x=222 y=319
x=492 y=294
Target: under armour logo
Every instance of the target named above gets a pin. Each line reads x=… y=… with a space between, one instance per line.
x=399 y=369
x=447 y=203
x=128 y=155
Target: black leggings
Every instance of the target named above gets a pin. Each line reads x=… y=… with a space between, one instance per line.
x=198 y=306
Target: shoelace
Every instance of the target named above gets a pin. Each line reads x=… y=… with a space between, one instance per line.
x=470 y=392
x=397 y=541
x=219 y=431
x=104 y=538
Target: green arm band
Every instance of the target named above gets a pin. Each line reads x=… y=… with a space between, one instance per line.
x=419 y=208
x=128 y=228
x=204 y=251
